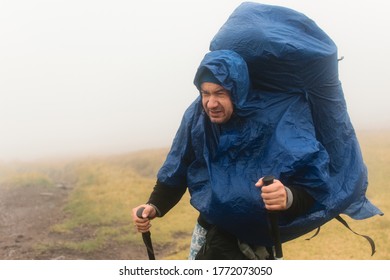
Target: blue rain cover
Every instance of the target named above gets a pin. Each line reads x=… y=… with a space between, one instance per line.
x=290 y=120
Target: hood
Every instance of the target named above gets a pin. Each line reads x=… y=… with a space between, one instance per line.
x=230 y=69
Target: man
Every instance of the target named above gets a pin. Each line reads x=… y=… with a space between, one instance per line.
x=216 y=123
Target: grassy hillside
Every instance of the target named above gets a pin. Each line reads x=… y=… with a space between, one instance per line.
x=105 y=189
x=98 y=211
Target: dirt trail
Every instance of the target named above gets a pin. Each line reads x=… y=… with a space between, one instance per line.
x=26 y=215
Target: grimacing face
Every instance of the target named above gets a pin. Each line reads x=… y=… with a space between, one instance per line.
x=216 y=102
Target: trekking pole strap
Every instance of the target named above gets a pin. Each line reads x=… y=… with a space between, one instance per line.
x=369 y=239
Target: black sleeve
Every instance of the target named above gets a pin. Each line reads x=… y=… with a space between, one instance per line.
x=165 y=197
x=302 y=202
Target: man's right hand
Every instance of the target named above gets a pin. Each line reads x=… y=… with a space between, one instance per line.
x=143 y=224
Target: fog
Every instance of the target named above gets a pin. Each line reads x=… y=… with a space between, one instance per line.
x=82 y=77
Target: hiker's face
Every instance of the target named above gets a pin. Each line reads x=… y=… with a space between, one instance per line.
x=216 y=102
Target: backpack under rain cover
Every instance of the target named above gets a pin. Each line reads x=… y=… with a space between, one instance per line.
x=291 y=123
x=287 y=53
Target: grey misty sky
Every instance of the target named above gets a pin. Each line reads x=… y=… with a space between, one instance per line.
x=81 y=77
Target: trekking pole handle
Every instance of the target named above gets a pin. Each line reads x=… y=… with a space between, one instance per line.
x=268 y=180
x=146 y=236
x=273 y=218
x=140 y=211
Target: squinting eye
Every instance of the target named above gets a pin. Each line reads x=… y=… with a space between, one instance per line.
x=223 y=93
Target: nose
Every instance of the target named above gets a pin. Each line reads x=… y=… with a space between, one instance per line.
x=212 y=102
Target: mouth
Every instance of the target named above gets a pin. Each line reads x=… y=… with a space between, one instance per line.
x=215 y=113
x=217 y=116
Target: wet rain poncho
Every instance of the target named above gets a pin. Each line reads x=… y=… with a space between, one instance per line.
x=290 y=120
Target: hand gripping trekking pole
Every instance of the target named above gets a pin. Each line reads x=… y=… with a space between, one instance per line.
x=273 y=219
x=146 y=237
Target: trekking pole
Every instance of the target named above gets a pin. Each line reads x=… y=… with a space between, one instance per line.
x=273 y=219
x=146 y=237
